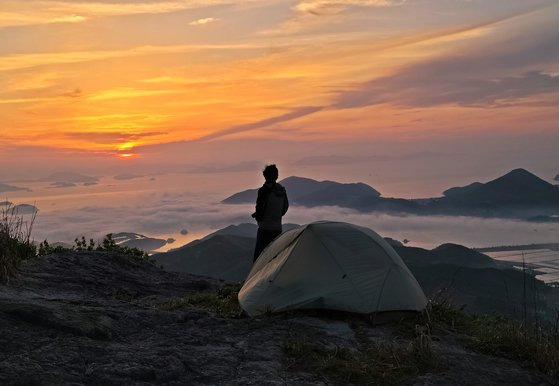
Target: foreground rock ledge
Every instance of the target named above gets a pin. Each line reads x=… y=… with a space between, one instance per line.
x=89 y=318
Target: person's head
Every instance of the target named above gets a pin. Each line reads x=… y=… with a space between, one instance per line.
x=270 y=173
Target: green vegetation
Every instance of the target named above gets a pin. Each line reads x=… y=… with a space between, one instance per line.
x=15 y=243
x=108 y=245
x=122 y=295
x=223 y=302
x=532 y=346
x=411 y=353
x=372 y=363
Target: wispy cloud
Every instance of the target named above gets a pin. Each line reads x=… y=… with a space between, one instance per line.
x=203 y=21
x=126 y=93
x=110 y=137
x=22 y=61
x=488 y=73
x=35 y=12
x=318 y=6
x=14 y=19
x=297 y=113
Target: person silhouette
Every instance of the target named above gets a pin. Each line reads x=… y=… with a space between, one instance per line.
x=271 y=206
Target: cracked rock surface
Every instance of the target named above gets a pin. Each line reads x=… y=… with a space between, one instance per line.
x=90 y=318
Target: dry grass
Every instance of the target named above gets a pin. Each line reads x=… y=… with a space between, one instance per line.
x=373 y=363
x=532 y=346
x=15 y=241
x=222 y=303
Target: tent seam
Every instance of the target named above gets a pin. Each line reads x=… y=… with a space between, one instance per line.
x=382 y=286
x=340 y=268
x=281 y=268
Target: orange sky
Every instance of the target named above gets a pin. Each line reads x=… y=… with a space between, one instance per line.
x=109 y=76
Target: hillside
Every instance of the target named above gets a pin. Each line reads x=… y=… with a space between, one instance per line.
x=308 y=192
x=469 y=278
x=225 y=254
x=99 y=318
x=517 y=188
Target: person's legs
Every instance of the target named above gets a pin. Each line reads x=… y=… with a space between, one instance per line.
x=263 y=238
x=259 y=243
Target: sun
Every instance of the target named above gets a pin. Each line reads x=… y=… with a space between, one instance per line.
x=127 y=156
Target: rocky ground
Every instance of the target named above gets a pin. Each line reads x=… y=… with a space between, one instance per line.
x=92 y=318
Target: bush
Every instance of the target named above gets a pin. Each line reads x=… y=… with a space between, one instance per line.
x=107 y=245
x=15 y=243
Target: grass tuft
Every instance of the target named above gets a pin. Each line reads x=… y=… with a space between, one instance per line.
x=532 y=346
x=223 y=302
x=15 y=241
x=379 y=364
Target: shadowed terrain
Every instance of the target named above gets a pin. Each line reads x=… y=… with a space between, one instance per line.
x=101 y=318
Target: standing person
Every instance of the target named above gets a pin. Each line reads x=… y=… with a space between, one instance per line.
x=271 y=205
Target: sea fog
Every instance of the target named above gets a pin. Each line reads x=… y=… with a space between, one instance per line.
x=162 y=206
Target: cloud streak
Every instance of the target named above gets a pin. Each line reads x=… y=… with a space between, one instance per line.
x=317 y=6
x=487 y=74
x=23 y=61
x=297 y=113
x=37 y=12
x=203 y=21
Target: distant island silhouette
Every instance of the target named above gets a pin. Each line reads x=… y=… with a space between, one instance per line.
x=518 y=194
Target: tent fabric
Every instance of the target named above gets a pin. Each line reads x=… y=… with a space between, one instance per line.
x=331 y=265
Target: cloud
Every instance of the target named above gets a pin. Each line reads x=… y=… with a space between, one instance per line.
x=127 y=176
x=111 y=137
x=344 y=159
x=127 y=92
x=36 y=12
x=204 y=21
x=13 y=19
x=317 y=6
x=296 y=113
x=491 y=72
x=414 y=88
x=11 y=188
x=166 y=214
x=21 y=61
x=62 y=184
x=244 y=166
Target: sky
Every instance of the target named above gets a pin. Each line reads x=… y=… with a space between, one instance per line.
x=196 y=96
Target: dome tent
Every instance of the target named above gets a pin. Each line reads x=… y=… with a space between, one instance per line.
x=330 y=265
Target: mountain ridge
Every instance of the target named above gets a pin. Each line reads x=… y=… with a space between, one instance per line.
x=516 y=194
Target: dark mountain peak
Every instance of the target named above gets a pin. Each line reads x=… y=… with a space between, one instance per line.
x=292 y=179
x=517 y=188
x=520 y=176
x=308 y=192
x=450 y=253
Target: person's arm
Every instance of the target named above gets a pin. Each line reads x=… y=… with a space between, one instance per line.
x=285 y=205
x=260 y=204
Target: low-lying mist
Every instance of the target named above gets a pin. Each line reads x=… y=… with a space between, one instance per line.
x=166 y=214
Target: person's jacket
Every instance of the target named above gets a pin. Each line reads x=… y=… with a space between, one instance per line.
x=271 y=205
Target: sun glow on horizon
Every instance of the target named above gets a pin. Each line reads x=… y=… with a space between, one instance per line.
x=127 y=156
x=319 y=69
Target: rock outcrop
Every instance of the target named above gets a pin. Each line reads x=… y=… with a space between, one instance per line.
x=93 y=318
